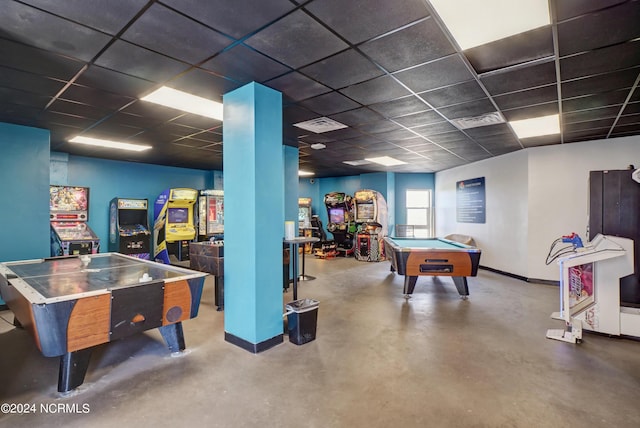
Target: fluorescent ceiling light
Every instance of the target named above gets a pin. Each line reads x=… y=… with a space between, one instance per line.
x=109 y=144
x=357 y=162
x=305 y=173
x=386 y=161
x=173 y=98
x=473 y=23
x=320 y=125
x=537 y=126
x=318 y=146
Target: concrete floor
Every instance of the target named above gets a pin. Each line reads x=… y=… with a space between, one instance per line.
x=377 y=361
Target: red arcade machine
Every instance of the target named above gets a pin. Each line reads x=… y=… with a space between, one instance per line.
x=69 y=213
x=341 y=225
x=371 y=218
x=210 y=214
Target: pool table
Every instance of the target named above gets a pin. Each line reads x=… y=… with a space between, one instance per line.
x=413 y=257
x=72 y=304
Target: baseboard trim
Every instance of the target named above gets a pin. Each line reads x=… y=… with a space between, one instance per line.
x=520 y=277
x=253 y=347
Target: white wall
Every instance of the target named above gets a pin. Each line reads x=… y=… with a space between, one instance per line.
x=533 y=197
x=503 y=238
x=559 y=191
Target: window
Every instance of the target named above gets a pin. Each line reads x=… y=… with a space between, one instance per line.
x=420 y=212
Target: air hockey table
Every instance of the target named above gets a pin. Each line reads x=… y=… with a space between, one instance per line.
x=413 y=257
x=72 y=304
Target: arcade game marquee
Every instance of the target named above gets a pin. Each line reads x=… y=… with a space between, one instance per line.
x=173 y=225
x=69 y=213
x=129 y=227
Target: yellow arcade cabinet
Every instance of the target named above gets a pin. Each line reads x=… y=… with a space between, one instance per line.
x=173 y=226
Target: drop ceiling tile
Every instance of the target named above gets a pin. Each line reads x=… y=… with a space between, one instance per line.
x=602 y=60
x=594 y=124
x=379 y=127
x=377 y=90
x=139 y=62
x=356 y=117
x=400 y=107
x=543 y=94
x=589 y=115
x=381 y=16
x=343 y=69
x=454 y=94
x=237 y=18
x=594 y=101
x=329 y=103
x=112 y=81
x=434 y=129
x=571 y=8
x=520 y=78
x=596 y=30
x=79 y=110
x=600 y=83
x=518 y=49
x=95 y=97
x=297 y=87
x=43 y=30
x=293 y=114
x=396 y=136
x=418 y=119
x=436 y=74
x=162 y=30
x=630 y=119
x=412 y=45
x=29 y=82
x=25 y=58
x=296 y=40
x=245 y=65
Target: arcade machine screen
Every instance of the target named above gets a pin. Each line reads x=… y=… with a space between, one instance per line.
x=178 y=215
x=365 y=212
x=336 y=215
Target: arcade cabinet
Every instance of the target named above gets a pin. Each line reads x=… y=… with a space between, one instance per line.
x=371 y=218
x=341 y=225
x=590 y=290
x=304 y=221
x=69 y=213
x=129 y=227
x=173 y=225
x=210 y=215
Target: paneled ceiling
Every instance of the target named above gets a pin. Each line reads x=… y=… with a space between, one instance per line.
x=389 y=70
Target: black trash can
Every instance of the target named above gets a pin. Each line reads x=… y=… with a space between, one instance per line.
x=302 y=320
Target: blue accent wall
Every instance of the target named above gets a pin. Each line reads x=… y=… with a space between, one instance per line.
x=108 y=179
x=24 y=169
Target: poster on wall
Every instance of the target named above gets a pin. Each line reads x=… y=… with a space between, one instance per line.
x=470 y=201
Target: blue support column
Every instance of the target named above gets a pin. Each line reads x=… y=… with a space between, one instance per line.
x=254 y=217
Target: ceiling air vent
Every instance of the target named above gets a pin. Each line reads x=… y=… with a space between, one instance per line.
x=320 y=125
x=477 y=121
